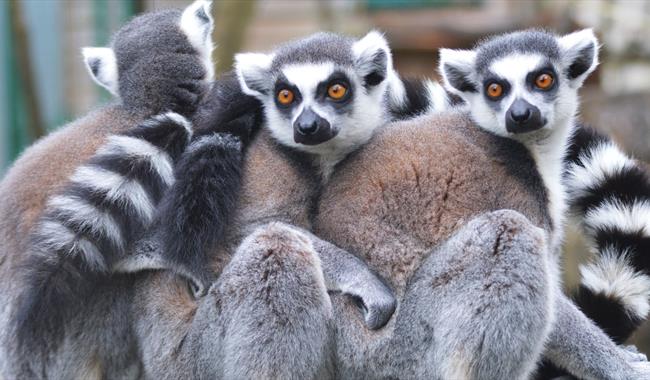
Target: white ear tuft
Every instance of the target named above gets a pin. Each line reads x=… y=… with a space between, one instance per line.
x=197 y=24
x=102 y=66
x=373 y=58
x=579 y=54
x=253 y=71
x=457 y=70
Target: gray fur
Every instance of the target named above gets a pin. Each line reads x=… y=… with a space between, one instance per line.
x=527 y=41
x=144 y=49
x=318 y=48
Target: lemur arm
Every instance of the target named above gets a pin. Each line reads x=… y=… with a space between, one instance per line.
x=579 y=346
x=346 y=273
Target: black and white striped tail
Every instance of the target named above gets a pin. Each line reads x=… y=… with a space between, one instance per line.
x=408 y=98
x=196 y=210
x=88 y=225
x=610 y=193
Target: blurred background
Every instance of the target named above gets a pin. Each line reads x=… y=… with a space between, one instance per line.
x=44 y=84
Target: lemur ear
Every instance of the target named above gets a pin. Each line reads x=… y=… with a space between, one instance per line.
x=579 y=54
x=102 y=66
x=197 y=24
x=253 y=70
x=457 y=71
x=372 y=58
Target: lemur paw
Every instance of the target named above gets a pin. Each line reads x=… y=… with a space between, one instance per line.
x=378 y=308
x=641 y=371
x=633 y=354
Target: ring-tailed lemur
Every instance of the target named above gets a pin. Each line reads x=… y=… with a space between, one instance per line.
x=322 y=98
x=477 y=306
x=524 y=86
x=77 y=225
x=263 y=163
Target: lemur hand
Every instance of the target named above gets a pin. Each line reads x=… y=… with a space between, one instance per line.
x=637 y=363
x=226 y=109
x=166 y=82
x=348 y=274
x=376 y=302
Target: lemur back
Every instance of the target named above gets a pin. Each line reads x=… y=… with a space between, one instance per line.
x=61 y=191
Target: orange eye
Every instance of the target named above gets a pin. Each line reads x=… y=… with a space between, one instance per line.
x=337 y=91
x=285 y=97
x=544 y=81
x=494 y=90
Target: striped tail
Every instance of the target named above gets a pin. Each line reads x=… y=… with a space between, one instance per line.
x=408 y=98
x=89 y=225
x=610 y=193
x=196 y=210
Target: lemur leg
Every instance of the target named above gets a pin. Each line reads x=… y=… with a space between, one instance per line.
x=276 y=314
x=480 y=306
x=579 y=346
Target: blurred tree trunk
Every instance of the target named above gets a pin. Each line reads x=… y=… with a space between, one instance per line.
x=232 y=18
x=24 y=63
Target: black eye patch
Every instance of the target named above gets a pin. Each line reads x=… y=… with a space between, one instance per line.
x=283 y=84
x=550 y=93
x=493 y=78
x=545 y=69
x=337 y=77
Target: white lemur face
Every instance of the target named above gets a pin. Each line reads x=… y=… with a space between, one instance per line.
x=187 y=32
x=523 y=83
x=323 y=94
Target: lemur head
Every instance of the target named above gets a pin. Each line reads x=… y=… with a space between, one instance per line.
x=151 y=50
x=323 y=94
x=524 y=83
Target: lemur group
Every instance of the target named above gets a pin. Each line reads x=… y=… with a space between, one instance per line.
x=313 y=215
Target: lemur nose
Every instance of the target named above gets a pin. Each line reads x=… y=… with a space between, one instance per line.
x=520 y=115
x=312 y=129
x=308 y=123
x=308 y=129
x=523 y=117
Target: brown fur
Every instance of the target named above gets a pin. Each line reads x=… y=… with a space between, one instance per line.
x=273 y=189
x=47 y=165
x=415 y=184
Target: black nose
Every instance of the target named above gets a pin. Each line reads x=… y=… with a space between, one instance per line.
x=523 y=117
x=308 y=123
x=310 y=128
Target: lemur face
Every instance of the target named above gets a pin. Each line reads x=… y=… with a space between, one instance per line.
x=322 y=94
x=524 y=83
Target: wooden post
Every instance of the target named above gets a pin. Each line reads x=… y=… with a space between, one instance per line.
x=24 y=64
x=232 y=18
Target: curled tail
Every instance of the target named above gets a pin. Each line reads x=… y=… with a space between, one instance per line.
x=89 y=225
x=194 y=213
x=610 y=193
